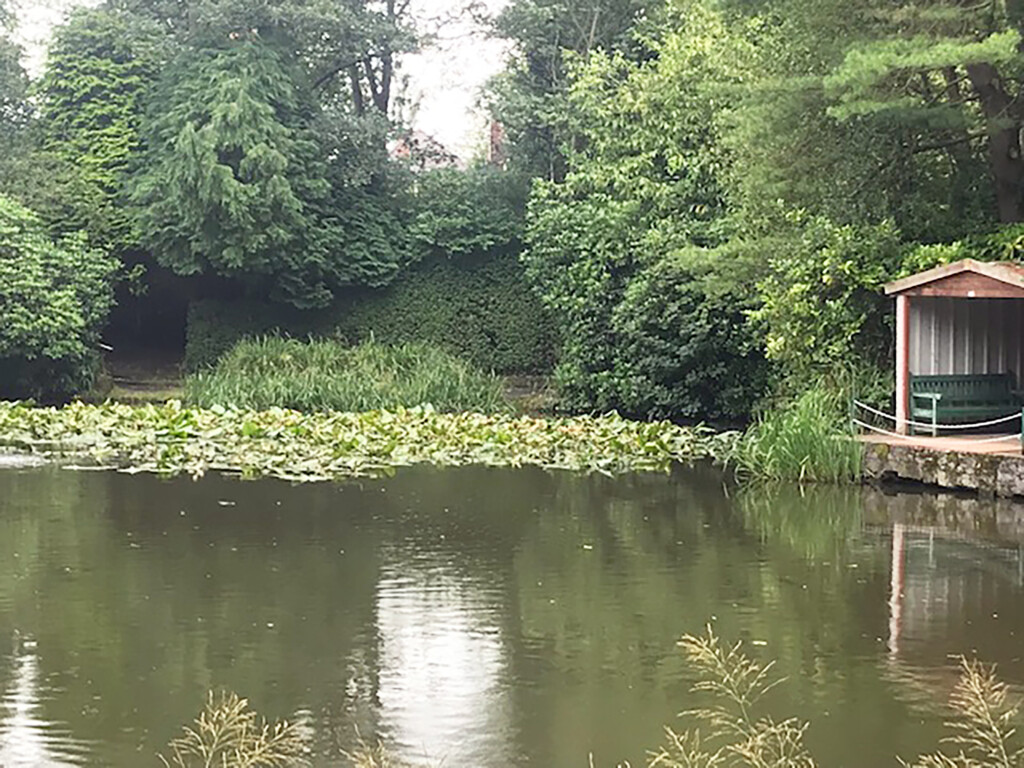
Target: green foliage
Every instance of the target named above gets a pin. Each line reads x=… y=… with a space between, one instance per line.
x=611 y=249
x=685 y=348
x=948 y=75
x=326 y=376
x=530 y=98
x=478 y=307
x=233 y=181
x=100 y=67
x=823 y=309
x=289 y=445
x=54 y=300
x=464 y=212
x=14 y=106
x=802 y=441
x=350 y=49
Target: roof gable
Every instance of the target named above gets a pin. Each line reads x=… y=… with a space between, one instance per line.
x=967 y=278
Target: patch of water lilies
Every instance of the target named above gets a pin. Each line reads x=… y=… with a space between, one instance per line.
x=172 y=439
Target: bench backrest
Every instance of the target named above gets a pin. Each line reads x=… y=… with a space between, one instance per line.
x=970 y=387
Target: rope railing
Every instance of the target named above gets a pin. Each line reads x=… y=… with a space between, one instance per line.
x=928 y=425
x=887 y=433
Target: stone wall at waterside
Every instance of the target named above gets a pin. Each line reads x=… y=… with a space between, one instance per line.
x=990 y=474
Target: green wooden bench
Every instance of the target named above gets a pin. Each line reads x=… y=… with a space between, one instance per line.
x=963 y=398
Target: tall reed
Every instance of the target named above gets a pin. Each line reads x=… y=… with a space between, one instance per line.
x=324 y=375
x=806 y=440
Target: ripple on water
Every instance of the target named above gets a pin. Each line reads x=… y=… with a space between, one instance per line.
x=443 y=668
x=27 y=738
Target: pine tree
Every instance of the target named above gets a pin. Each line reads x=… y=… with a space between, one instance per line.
x=235 y=182
x=949 y=73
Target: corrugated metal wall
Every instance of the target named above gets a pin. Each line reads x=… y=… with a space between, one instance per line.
x=966 y=336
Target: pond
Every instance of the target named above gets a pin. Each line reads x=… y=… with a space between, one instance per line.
x=484 y=617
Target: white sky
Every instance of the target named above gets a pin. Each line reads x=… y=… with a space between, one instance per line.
x=444 y=81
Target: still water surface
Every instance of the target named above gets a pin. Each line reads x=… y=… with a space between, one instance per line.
x=480 y=617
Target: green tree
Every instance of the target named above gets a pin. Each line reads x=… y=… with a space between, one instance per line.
x=864 y=111
x=14 y=104
x=100 y=68
x=948 y=73
x=616 y=249
x=54 y=300
x=13 y=81
x=530 y=98
x=234 y=181
x=350 y=48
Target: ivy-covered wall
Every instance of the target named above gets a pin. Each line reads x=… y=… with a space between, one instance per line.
x=477 y=306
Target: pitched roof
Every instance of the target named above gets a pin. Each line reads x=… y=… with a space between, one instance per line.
x=1002 y=271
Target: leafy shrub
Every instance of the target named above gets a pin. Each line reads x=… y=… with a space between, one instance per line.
x=824 y=312
x=479 y=307
x=327 y=376
x=686 y=349
x=465 y=212
x=670 y=341
x=54 y=300
x=802 y=441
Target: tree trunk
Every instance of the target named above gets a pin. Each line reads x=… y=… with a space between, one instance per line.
x=357 y=90
x=1004 y=146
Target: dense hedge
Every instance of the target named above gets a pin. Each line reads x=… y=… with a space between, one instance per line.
x=477 y=306
x=684 y=347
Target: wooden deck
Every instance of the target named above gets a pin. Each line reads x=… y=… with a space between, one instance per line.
x=973 y=444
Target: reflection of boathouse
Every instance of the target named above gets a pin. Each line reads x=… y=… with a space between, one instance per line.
x=957 y=565
x=956 y=572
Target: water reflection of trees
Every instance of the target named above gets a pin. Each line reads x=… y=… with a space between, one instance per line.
x=544 y=606
x=143 y=594
x=816 y=522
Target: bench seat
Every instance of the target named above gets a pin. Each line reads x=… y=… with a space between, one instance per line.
x=963 y=398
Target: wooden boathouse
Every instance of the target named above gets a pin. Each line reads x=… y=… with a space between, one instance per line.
x=958 y=320
x=959 y=361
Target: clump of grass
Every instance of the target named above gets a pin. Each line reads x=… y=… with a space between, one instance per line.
x=984 y=729
x=378 y=755
x=228 y=734
x=324 y=375
x=736 y=734
x=803 y=441
x=983 y=732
